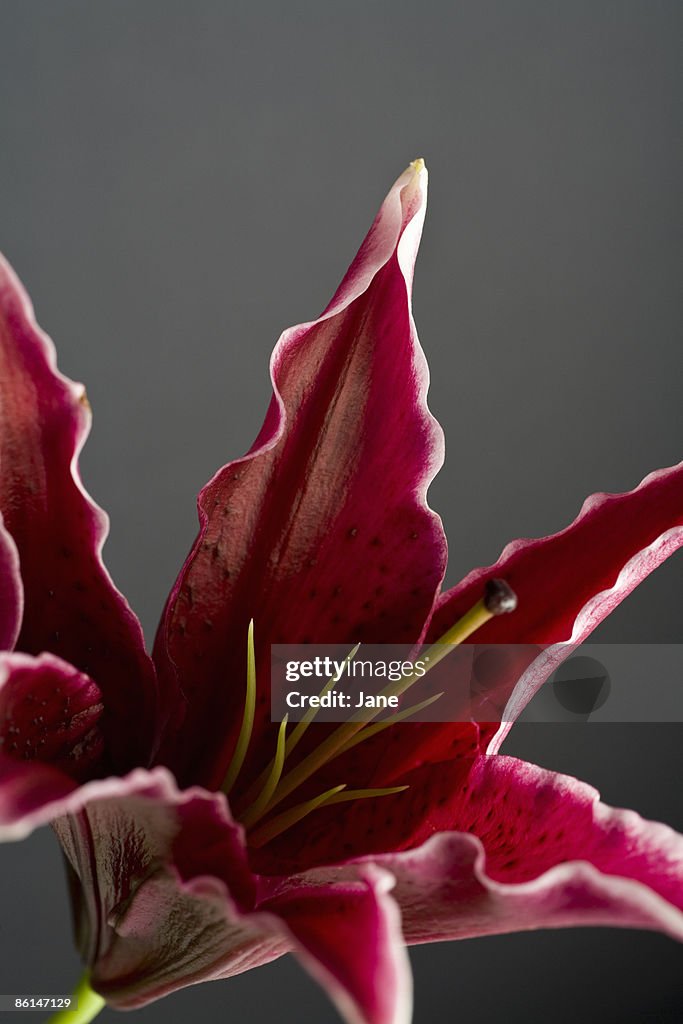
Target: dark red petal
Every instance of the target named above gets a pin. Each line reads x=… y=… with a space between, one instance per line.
x=569 y=582
x=322 y=531
x=51 y=713
x=546 y=854
x=71 y=605
x=11 y=591
x=348 y=935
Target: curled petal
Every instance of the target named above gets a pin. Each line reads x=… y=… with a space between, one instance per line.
x=120 y=834
x=71 y=605
x=11 y=591
x=177 y=933
x=161 y=885
x=322 y=531
x=164 y=898
x=542 y=852
x=569 y=582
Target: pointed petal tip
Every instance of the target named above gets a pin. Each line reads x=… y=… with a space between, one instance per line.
x=414 y=177
x=415 y=174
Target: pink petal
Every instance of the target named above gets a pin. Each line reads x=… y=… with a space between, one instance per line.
x=322 y=531
x=542 y=853
x=348 y=935
x=72 y=607
x=11 y=591
x=569 y=582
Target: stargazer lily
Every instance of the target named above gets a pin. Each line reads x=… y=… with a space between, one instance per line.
x=201 y=839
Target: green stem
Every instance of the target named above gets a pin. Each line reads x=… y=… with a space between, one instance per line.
x=89 y=1005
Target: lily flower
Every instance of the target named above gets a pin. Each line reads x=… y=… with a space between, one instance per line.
x=201 y=839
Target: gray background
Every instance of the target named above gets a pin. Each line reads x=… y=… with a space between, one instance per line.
x=180 y=181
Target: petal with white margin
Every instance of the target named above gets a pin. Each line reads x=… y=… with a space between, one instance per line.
x=322 y=531
x=542 y=852
x=71 y=605
x=567 y=583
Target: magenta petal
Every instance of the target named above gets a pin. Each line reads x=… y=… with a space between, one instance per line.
x=569 y=582
x=322 y=531
x=11 y=591
x=71 y=605
x=348 y=935
x=543 y=853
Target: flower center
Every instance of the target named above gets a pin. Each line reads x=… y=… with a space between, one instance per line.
x=274 y=784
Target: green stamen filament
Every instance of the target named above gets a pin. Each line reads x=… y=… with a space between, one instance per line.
x=476 y=617
x=399 y=716
x=364 y=794
x=283 y=821
x=471 y=621
x=297 y=734
x=339 y=795
x=332 y=745
x=272 y=787
x=262 y=800
x=303 y=725
x=365 y=734
x=248 y=717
